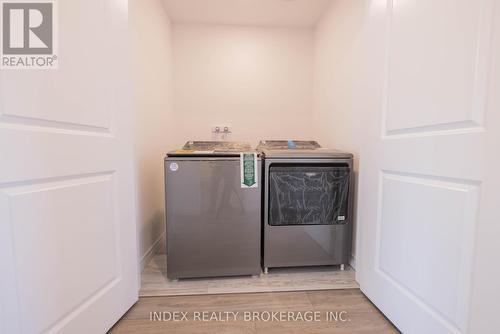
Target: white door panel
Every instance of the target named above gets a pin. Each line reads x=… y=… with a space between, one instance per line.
x=67 y=219
x=425 y=240
x=85 y=33
x=437 y=65
x=422 y=177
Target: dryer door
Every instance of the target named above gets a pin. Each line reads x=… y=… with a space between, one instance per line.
x=308 y=194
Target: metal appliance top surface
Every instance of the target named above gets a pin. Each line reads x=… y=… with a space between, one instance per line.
x=226 y=146
x=298 y=149
x=212 y=149
x=288 y=144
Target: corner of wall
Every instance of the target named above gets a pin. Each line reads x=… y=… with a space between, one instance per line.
x=158 y=247
x=152 y=108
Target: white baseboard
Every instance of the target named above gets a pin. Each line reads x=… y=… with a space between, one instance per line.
x=353 y=262
x=152 y=251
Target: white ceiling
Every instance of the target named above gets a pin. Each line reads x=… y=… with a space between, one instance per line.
x=294 y=13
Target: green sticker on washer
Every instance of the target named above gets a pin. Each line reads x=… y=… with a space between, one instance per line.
x=248 y=163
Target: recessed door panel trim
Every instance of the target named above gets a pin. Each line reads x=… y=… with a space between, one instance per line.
x=10 y=279
x=471 y=189
x=475 y=121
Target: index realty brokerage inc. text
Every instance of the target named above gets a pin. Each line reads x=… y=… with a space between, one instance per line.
x=253 y=316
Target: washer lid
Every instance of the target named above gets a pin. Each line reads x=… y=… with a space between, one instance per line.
x=211 y=149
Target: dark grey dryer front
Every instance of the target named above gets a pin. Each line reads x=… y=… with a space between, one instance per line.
x=213 y=224
x=307 y=204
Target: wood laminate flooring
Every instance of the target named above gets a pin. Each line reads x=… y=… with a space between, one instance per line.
x=359 y=314
x=154 y=281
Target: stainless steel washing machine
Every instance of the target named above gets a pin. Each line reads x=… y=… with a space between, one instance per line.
x=307 y=204
x=213 y=212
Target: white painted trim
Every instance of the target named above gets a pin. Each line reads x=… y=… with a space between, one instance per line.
x=151 y=252
x=353 y=261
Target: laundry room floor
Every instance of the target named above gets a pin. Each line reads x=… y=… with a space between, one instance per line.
x=154 y=281
x=363 y=316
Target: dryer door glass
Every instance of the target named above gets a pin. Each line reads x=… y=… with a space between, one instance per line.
x=308 y=194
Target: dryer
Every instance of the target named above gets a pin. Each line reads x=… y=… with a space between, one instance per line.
x=307 y=204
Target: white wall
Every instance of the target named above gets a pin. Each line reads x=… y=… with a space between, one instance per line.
x=152 y=106
x=259 y=80
x=338 y=121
